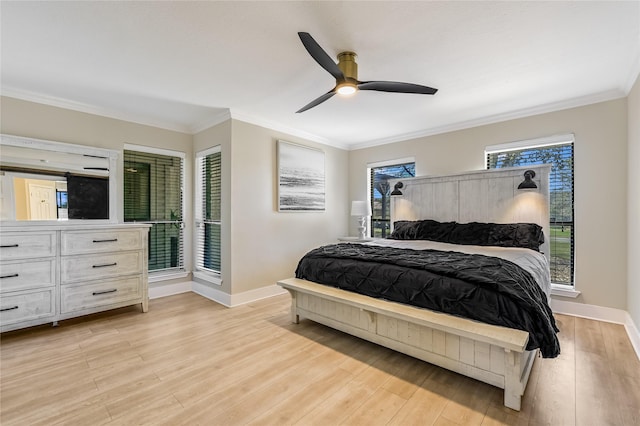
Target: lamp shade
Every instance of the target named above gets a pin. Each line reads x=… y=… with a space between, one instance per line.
x=360 y=208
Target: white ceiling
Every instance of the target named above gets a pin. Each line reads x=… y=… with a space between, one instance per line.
x=188 y=65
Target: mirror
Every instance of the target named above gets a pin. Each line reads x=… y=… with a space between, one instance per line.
x=53 y=181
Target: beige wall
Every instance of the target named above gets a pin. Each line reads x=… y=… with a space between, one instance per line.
x=23 y=118
x=633 y=286
x=266 y=244
x=261 y=245
x=600 y=182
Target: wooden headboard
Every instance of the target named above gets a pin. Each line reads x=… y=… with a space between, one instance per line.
x=479 y=196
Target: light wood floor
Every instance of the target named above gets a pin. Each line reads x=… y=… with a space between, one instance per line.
x=191 y=361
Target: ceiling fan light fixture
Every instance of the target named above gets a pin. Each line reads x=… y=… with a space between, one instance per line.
x=346 y=89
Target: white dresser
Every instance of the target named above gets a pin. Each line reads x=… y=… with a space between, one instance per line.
x=50 y=273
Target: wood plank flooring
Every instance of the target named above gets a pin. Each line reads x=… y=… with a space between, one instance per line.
x=192 y=361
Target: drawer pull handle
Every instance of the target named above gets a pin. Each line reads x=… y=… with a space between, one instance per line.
x=97 y=293
x=10 y=276
x=9 y=309
x=10 y=245
x=106 y=241
x=104 y=265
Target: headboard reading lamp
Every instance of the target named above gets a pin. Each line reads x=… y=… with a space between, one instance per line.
x=528 y=182
x=396 y=188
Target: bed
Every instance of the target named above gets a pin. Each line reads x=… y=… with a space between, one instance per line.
x=501 y=354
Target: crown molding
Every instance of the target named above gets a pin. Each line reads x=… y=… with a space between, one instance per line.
x=634 y=73
x=497 y=118
x=92 y=109
x=209 y=122
x=272 y=125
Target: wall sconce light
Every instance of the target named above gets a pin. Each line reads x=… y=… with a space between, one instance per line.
x=361 y=209
x=528 y=182
x=396 y=189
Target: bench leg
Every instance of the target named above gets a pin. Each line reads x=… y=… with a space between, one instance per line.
x=295 y=318
x=512 y=400
x=512 y=386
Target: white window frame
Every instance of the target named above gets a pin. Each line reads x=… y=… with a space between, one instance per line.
x=206 y=275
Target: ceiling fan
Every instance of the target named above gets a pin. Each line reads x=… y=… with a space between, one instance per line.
x=346 y=74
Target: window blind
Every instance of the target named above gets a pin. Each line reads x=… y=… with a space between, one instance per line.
x=379 y=194
x=561 y=185
x=153 y=194
x=208 y=210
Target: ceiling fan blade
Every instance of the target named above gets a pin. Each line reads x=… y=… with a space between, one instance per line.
x=320 y=55
x=318 y=101
x=396 y=87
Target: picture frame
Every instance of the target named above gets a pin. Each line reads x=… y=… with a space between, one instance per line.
x=301 y=178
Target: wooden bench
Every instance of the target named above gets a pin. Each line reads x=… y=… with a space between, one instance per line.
x=492 y=354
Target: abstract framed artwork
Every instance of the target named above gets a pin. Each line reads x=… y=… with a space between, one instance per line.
x=301 y=181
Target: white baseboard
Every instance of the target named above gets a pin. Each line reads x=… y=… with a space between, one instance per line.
x=583 y=310
x=211 y=293
x=233 y=300
x=257 y=294
x=634 y=334
x=600 y=313
x=158 y=291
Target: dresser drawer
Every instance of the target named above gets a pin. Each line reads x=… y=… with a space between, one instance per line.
x=98 y=266
x=27 y=245
x=79 y=297
x=24 y=306
x=100 y=241
x=26 y=274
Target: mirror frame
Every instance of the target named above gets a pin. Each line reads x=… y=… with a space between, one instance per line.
x=46 y=145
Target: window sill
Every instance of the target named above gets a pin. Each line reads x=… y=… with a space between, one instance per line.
x=165 y=276
x=564 y=291
x=208 y=277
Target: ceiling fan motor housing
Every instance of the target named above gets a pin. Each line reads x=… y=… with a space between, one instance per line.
x=348 y=66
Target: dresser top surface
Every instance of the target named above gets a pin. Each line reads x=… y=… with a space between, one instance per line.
x=33 y=227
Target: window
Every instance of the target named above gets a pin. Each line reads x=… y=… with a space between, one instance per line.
x=208 y=211
x=380 y=191
x=153 y=194
x=557 y=151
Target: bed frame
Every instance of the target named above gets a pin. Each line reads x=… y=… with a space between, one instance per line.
x=492 y=354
